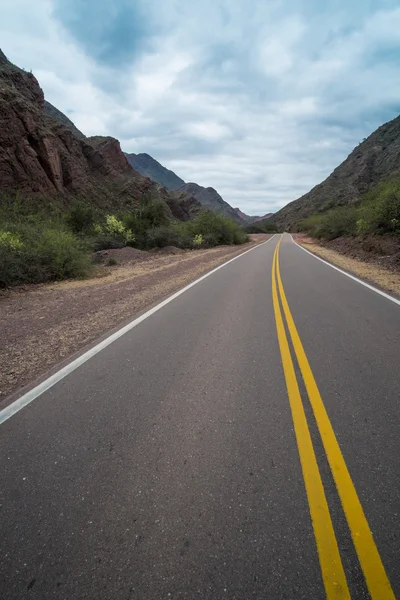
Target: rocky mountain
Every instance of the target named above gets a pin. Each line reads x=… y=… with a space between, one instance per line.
x=251 y=218
x=53 y=112
x=149 y=167
x=41 y=155
x=374 y=159
x=209 y=198
x=243 y=216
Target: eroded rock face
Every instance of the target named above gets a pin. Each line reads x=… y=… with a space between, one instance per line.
x=41 y=154
x=36 y=154
x=112 y=156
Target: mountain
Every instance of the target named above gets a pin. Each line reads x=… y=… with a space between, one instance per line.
x=373 y=160
x=263 y=218
x=250 y=218
x=53 y=112
x=209 y=198
x=243 y=216
x=42 y=156
x=149 y=167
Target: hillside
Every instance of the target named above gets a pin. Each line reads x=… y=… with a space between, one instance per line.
x=53 y=112
x=209 y=198
x=251 y=218
x=41 y=155
x=149 y=167
x=373 y=160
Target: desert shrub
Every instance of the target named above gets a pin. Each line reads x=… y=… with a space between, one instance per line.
x=377 y=213
x=105 y=242
x=225 y=231
x=332 y=224
x=210 y=240
x=81 y=218
x=240 y=236
x=149 y=215
x=169 y=235
x=32 y=252
x=10 y=241
x=380 y=209
x=198 y=240
x=114 y=232
x=112 y=261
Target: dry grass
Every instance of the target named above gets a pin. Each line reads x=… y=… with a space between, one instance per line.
x=384 y=278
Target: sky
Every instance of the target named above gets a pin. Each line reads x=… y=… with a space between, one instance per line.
x=260 y=99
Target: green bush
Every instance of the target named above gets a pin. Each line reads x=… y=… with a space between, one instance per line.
x=380 y=209
x=377 y=213
x=32 y=252
x=81 y=218
x=151 y=228
x=149 y=216
x=112 y=233
x=198 y=240
x=223 y=230
x=169 y=235
x=332 y=224
x=210 y=240
x=105 y=242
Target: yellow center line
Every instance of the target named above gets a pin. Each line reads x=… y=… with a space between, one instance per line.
x=375 y=575
x=331 y=565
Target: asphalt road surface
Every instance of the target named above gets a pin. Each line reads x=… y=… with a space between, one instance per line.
x=240 y=443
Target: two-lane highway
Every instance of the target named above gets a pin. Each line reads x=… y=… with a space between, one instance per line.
x=240 y=442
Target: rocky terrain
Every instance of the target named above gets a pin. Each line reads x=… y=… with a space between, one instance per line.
x=42 y=155
x=373 y=160
x=209 y=198
x=251 y=218
x=149 y=167
x=53 y=112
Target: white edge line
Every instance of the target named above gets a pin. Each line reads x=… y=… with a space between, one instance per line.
x=32 y=394
x=367 y=285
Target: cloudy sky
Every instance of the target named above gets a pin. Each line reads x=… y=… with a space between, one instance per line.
x=260 y=99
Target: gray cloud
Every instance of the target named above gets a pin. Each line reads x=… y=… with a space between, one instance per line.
x=261 y=104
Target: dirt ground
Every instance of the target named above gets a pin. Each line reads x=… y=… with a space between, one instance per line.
x=376 y=261
x=41 y=325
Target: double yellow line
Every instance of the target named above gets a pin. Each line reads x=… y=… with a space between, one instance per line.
x=329 y=557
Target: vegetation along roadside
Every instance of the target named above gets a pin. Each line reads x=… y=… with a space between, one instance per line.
x=46 y=242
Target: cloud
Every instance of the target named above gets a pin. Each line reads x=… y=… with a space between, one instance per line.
x=110 y=31
x=260 y=102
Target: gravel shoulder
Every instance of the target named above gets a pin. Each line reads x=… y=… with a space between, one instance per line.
x=374 y=269
x=42 y=325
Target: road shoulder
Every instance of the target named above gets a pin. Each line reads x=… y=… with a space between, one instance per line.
x=385 y=279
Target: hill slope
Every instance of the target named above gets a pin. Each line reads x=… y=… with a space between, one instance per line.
x=149 y=167
x=376 y=158
x=251 y=218
x=209 y=198
x=53 y=112
x=42 y=156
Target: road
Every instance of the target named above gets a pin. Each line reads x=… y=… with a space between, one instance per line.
x=240 y=443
